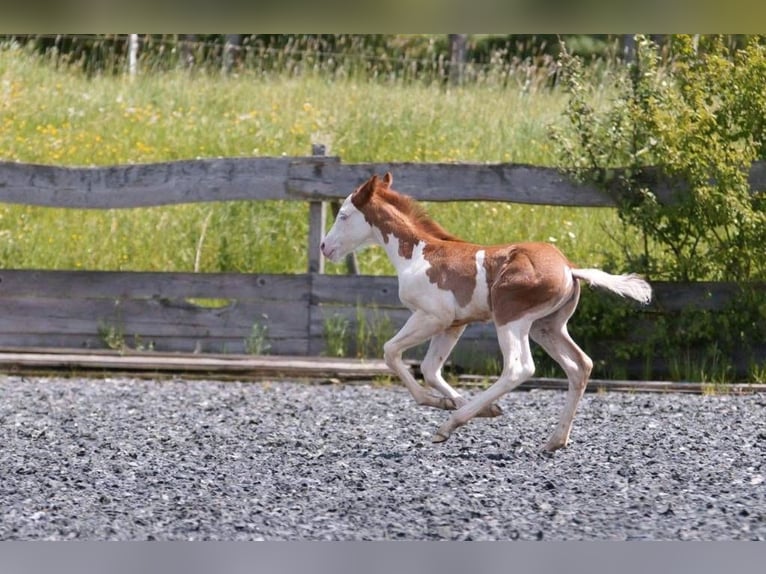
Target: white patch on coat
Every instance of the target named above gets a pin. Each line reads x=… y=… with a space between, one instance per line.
x=415 y=288
x=478 y=308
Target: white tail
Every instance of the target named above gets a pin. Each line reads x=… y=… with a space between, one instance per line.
x=629 y=285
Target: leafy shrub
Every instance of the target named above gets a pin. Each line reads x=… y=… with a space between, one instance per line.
x=700 y=121
x=675 y=148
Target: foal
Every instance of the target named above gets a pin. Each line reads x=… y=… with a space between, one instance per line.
x=529 y=290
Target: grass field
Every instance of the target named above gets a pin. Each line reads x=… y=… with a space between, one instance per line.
x=57 y=116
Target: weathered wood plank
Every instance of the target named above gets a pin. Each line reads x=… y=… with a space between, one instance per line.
x=180 y=343
x=169 y=326
x=269 y=367
x=69 y=308
x=137 y=284
x=312 y=178
x=322 y=315
x=150 y=317
x=262 y=366
x=368 y=290
x=394 y=318
x=514 y=183
x=465 y=182
x=601 y=385
x=143 y=185
x=711 y=296
x=757 y=176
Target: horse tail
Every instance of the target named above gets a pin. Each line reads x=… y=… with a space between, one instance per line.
x=627 y=285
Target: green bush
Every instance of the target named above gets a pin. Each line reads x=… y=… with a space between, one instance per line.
x=700 y=122
x=674 y=147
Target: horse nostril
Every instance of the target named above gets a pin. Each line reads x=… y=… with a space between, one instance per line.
x=321 y=246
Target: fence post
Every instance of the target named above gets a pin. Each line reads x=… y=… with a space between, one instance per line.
x=317 y=220
x=187 y=50
x=132 y=55
x=231 y=49
x=629 y=47
x=458 y=44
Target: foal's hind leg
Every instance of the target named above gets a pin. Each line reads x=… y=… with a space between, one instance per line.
x=431 y=367
x=518 y=366
x=552 y=335
x=418 y=328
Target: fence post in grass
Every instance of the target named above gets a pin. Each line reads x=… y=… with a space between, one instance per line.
x=458 y=44
x=187 y=50
x=231 y=51
x=132 y=54
x=317 y=220
x=629 y=47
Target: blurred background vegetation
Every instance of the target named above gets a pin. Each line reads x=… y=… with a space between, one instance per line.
x=422 y=57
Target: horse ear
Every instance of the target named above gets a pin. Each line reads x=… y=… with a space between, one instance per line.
x=388 y=179
x=364 y=192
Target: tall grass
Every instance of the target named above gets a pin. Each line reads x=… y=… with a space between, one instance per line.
x=58 y=116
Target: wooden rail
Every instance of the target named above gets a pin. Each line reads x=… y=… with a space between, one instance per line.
x=310 y=178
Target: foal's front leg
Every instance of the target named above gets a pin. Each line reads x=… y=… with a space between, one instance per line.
x=439 y=349
x=418 y=328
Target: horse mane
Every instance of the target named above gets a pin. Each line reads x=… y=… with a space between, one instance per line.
x=416 y=213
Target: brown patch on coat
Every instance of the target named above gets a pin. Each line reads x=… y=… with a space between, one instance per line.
x=453 y=268
x=522 y=277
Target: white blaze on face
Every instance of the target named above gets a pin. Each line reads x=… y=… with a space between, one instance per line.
x=349 y=232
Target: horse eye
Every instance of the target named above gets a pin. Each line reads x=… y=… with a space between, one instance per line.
x=342 y=216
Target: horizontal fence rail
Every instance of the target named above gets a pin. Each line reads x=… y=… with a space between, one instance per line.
x=190 y=312
x=224 y=312
x=298 y=179
x=216 y=312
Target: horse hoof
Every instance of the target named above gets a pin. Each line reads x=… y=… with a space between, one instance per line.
x=439 y=437
x=491 y=411
x=552 y=446
x=449 y=404
x=495 y=410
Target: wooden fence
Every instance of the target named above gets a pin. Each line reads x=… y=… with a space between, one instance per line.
x=162 y=311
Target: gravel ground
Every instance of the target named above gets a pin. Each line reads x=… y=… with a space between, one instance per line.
x=124 y=459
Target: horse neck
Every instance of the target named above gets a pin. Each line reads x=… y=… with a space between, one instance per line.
x=403 y=246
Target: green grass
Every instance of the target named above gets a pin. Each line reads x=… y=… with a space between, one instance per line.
x=58 y=116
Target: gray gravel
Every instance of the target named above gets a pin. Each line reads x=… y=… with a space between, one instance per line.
x=124 y=459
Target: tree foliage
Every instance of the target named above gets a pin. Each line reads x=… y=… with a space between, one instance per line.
x=699 y=119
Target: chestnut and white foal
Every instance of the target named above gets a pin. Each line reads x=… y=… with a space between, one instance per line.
x=529 y=290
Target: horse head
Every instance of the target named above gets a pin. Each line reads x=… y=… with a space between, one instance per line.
x=351 y=229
